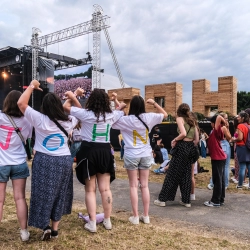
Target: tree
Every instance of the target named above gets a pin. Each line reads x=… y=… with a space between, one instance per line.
x=243 y=100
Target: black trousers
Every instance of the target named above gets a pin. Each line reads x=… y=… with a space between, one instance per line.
x=218 y=167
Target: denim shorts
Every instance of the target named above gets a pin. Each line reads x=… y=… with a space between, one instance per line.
x=137 y=163
x=14 y=172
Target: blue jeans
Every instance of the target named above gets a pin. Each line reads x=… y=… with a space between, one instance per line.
x=75 y=146
x=227 y=150
x=242 y=170
x=203 y=150
x=122 y=149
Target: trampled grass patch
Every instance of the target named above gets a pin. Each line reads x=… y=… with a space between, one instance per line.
x=160 y=234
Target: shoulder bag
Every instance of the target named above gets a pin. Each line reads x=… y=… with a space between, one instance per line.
x=63 y=130
x=26 y=146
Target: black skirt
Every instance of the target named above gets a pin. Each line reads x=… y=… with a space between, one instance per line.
x=93 y=158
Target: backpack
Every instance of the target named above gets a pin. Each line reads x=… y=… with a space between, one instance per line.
x=247 y=143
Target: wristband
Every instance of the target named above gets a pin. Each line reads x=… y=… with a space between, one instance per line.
x=32 y=86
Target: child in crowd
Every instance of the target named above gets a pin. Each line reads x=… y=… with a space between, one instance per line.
x=164 y=166
x=157 y=155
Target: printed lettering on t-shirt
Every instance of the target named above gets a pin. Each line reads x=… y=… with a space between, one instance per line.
x=9 y=134
x=45 y=141
x=102 y=134
x=136 y=134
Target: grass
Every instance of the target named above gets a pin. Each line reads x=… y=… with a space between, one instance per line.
x=201 y=179
x=160 y=234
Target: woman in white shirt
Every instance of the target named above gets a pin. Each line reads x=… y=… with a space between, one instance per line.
x=13 y=158
x=135 y=129
x=95 y=162
x=52 y=174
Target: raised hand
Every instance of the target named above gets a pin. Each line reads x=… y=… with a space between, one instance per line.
x=35 y=85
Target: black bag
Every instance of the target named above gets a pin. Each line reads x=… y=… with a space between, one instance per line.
x=197 y=153
x=173 y=151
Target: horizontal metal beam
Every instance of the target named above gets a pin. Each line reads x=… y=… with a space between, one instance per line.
x=72 y=32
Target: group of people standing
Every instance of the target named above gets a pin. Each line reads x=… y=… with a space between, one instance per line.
x=52 y=172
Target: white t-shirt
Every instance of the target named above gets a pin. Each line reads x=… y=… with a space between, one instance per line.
x=12 y=151
x=93 y=131
x=135 y=134
x=49 y=138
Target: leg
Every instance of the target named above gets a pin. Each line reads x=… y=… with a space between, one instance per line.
x=193 y=180
x=103 y=181
x=143 y=175
x=21 y=205
x=186 y=183
x=133 y=184
x=90 y=197
x=227 y=165
x=55 y=225
x=242 y=171
x=2 y=197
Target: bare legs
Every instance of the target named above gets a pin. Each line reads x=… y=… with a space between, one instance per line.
x=103 y=181
x=133 y=184
x=21 y=205
x=2 y=197
x=193 y=179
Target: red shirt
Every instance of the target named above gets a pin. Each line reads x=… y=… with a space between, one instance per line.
x=242 y=127
x=214 y=146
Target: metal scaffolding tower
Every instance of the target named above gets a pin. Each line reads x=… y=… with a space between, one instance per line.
x=98 y=23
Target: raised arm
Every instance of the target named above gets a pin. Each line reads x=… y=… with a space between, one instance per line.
x=72 y=99
x=24 y=98
x=158 y=107
x=114 y=98
x=219 y=121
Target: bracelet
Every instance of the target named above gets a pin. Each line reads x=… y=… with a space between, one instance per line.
x=32 y=86
x=154 y=104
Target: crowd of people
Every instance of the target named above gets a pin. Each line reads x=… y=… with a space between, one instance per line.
x=65 y=131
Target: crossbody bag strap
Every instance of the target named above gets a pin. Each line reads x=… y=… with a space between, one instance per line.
x=143 y=122
x=16 y=129
x=61 y=127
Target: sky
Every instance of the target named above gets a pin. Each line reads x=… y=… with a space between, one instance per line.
x=154 y=41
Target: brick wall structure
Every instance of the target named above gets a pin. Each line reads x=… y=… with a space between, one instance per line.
x=171 y=92
x=124 y=95
x=225 y=98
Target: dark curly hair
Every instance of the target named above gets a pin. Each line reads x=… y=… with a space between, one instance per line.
x=98 y=103
x=184 y=112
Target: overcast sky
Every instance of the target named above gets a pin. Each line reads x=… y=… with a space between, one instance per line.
x=154 y=41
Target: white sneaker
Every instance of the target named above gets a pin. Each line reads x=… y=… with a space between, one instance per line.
x=210 y=187
x=160 y=203
x=234 y=180
x=107 y=223
x=145 y=219
x=91 y=226
x=134 y=220
x=25 y=235
x=246 y=185
x=192 y=197
x=185 y=204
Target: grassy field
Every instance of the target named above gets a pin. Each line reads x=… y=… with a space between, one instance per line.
x=160 y=234
x=201 y=179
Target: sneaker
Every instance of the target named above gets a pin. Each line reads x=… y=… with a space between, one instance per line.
x=46 y=233
x=185 y=204
x=192 y=197
x=211 y=204
x=144 y=219
x=160 y=203
x=54 y=234
x=222 y=203
x=246 y=185
x=234 y=180
x=91 y=226
x=158 y=171
x=107 y=223
x=239 y=187
x=134 y=220
x=210 y=187
x=25 y=235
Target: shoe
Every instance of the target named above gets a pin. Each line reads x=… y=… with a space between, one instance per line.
x=25 y=235
x=246 y=185
x=91 y=226
x=211 y=204
x=54 y=234
x=239 y=187
x=222 y=203
x=234 y=180
x=107 y=223
x=185 y=204
x=144 y=219
x=134 y=220
x=192 y=197
x=160 y=203
x=158 y=171
x=210 y=187
x=46 y=233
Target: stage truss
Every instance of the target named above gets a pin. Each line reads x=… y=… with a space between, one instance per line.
x=98 y=23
